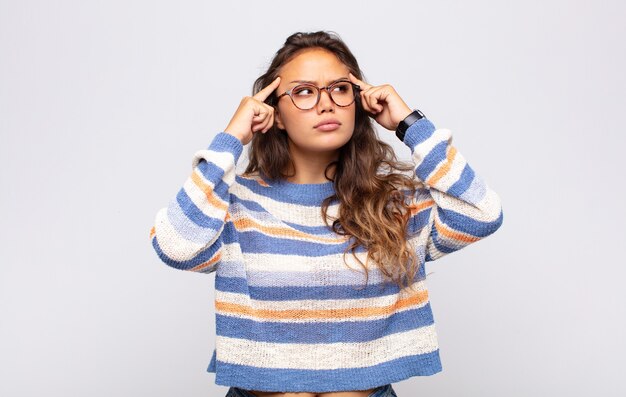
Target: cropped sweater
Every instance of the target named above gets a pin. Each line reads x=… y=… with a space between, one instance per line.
x=291 y=315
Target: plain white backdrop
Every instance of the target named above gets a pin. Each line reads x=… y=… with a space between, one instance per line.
x=102 y=105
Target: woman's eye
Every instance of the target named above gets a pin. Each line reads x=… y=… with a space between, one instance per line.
x=302 y=91
x=342 y=87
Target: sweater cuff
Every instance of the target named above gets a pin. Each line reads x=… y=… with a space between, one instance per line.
x=225 y=142
x=418 y=132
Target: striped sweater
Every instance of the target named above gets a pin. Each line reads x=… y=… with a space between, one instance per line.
x=291 y=315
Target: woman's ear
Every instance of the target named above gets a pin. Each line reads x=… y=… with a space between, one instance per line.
x=277 y=119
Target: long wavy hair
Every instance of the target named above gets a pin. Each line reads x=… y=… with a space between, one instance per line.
x=368 y=180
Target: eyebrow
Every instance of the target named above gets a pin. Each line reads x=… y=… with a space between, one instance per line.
x=315 y=83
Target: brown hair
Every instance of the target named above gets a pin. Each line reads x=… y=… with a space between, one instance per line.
x=372 y=208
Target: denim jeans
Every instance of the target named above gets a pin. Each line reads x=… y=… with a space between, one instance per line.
x=382 y=391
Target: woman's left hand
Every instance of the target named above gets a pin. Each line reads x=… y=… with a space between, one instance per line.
x=382 y=103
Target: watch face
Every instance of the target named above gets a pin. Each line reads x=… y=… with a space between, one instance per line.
x=413 y=117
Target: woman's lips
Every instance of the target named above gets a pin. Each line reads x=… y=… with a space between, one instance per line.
x=328 y=126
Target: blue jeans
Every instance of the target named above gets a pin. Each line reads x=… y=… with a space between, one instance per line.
x=382 y=391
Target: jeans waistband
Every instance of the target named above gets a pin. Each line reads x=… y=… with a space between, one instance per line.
x=381 y=391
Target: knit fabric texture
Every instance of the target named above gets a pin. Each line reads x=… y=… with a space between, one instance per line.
x=291 y=315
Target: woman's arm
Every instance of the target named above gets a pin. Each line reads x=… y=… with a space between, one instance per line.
x=187 y=234
x=457 y=205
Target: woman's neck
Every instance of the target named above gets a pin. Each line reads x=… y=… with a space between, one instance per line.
x=310 y=166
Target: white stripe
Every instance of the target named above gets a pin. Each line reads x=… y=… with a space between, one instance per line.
x=294 y=213
x=301 y=263
x=326 y=356
x=487 y=210
x=240 y=213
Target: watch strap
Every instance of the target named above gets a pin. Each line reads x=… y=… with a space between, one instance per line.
x=407 y=122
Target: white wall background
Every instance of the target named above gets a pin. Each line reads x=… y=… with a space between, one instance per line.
x=102 y=105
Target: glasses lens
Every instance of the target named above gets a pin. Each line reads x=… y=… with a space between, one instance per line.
x=342 y=93
x=304 y=96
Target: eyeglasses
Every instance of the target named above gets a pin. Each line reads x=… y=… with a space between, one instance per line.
x=307 y=96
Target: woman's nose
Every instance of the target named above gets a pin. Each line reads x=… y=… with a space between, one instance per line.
x=326 y=103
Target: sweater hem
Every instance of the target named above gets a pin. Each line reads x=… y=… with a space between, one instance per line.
x=324 y=381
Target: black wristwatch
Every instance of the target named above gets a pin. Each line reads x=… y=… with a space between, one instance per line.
x=406 y=123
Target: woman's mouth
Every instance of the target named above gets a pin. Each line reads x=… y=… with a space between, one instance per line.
x=328 y=125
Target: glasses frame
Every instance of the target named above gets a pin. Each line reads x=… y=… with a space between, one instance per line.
x=355 y=87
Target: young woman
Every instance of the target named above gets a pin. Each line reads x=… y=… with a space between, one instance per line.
x=319 y=246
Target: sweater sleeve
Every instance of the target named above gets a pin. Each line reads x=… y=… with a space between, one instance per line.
x=187 y=234
x=455 y=204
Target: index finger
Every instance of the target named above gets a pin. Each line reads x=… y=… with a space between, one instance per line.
x=364 y=86
x=266 y=91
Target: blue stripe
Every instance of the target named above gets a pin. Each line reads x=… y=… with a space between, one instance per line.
x=230 y=234
x=257 y=242
x=350 y=331
x=190 y=230
x=419 y=220
x=196 y=215
x=466 y=224
x=432 y=160
x=440 y=244
x=321 y=381
x=475 y=192
x=310 y=195
x=464 y=182
x=202 y=257
x=239 y=285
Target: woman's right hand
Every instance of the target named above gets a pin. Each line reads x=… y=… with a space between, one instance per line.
x=253 y=115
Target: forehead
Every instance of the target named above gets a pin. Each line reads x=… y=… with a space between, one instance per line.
x=316 y=65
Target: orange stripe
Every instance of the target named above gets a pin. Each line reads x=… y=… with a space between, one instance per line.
x=276 y=231
x=299 y=314
x=445 y=168
x=415 y=208
x=152 y=232
x=208 y=192
x=206 y=264
x=450 y=233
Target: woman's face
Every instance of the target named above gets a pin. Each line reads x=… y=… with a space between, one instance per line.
x=321 y=68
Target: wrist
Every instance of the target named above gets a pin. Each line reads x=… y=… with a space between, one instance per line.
x=233 y=134
x=403 y=116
